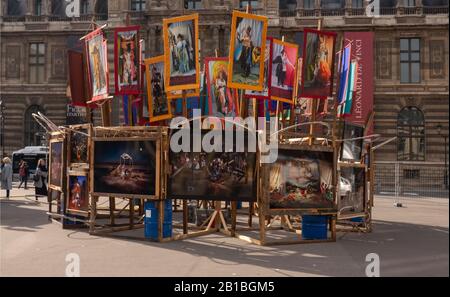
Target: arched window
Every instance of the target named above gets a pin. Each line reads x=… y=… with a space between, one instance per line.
x=34 y=133
x=411 y=135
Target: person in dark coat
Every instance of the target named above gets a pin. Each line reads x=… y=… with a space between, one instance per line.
x=41 y=183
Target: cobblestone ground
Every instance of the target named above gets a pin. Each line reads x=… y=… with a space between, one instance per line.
x=410 y=241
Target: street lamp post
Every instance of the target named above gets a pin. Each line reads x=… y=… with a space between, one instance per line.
x=439 y=127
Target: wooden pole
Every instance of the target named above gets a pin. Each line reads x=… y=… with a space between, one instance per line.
x=315 y=103
x=185 y=205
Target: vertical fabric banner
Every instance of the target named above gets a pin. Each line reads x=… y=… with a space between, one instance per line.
x=362 y=44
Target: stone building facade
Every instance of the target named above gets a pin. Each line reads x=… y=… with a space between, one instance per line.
x=410 y=76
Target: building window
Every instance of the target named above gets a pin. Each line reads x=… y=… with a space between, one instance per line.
x=84 y=7
x=435 y=3
x=34 y=133
x=138 y=5
x=193 y=4
x=411 y=135
x=410 y=3
x=101 y=7
x=388 y=3
x=308 y=4
x=410 y=60
x=58 y=8
x=38 y=7
x=243 y=4
x=357 y=3
x=37 y=63
x=287 y=4
x=332 y=4
x=16 y=7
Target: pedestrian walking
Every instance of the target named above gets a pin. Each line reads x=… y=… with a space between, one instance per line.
x=40 y=179
x=6 y=176
x=23 y=173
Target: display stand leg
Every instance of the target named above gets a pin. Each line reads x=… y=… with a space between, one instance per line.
x=131 y=213
x=93 y=214
x=112 y=208
x=233 y=217
x=251 y=209
x=160 y=220
x=185 y=217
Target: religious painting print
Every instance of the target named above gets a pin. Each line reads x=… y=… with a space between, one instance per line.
x=56 y=164
x=78 y=194
x=301 y=178
x=158 y=103
x=352 y=190
x=97 y=65
x=127 y=55
x=265 y=93
x=247 y=51
x=221 y=101
x=318 y=64
x=352 y=142
x=182 y=69
x=78 y=145
x=126 y=167
x=223 y=174
x=284 y=60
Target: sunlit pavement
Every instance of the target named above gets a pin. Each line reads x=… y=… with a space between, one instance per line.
x=410 y=241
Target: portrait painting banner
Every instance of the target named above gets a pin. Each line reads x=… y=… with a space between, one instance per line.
x=265 y=93
x=247 y=51
x=182 y=68
x=284 y=60
x=318 y=64
x=221 y=101
x=127 y=54
x=97 y=62
x=158 y=102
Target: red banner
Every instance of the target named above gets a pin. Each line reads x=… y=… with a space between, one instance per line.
x=362 y=51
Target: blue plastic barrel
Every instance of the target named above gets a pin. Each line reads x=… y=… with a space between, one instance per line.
x=314 y=227
x=239 y=205
x=152 y=217
x=357 y=220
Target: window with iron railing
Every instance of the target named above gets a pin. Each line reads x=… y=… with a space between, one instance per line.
x=357 y=3
x=38 y=7
x=308 y=4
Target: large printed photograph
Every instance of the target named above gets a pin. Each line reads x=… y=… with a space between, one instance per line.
x=284 y=59
x=78 y=146
x=181 y=53
x=158 y=103
x=78 y=194
x=301 y=179
x=225 y=176
x=352 y=190
x=267 y=82
x=97 y=65
x=221 y=102
x=318 y=64
x=126 y=60
x=56 y=164
x=247 y=51
x=125 y=167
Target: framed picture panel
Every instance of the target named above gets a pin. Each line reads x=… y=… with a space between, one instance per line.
x=318 y=64
x=247 y=51
x=265 y=93
x=222 y=174
x=182 y=68
x=351 y=148
x=78 y=146
x=158 y=102
x=126 y=167
x=302 y=179
x=56 y=163
x=77 y=193
x=127 y=55
x=97 y=62
x=284 y=61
